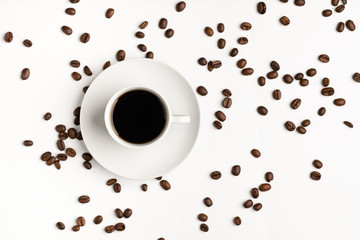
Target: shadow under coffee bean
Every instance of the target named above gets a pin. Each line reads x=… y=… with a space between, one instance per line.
x=138 y=116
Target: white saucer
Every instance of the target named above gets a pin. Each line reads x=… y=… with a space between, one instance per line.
x=159 y=157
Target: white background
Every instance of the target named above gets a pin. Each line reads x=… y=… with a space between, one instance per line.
x=34 y=196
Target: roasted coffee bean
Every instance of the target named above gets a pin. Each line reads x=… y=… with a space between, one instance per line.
x=111 y=181
x=88 y=157
x=290 y=126
x=202 y=217
x=74 y=1
x=76 y=228
x=165 y=185
x=144 y=187
x=339 y=102
x=143 y=24
x=284 y=20
x=305 y=123
x=248 y=203
x=340 y=27
x=72 y=133
x=80 y=221
x=257 y=206
x=25 y=74
x=261 y=81
x=311 y=72
x=344 y=2
x=241 y=63
x=201 y=90
x=70 y=11
x=276 y=94
x=321 y=111
x=8 y=37
x=314 y=175
x=327 y=13
x=70 y=152
x=334 y=2
x=209 y=31
x=284 y=1
x=57 y=164
x=227 y=102
x=45 y=156
x=220 y=27
x=226 y=92
x=202 y=61
x=120 y=55
x=67 y=30
x=169 y=33
x=254 y=193
x=243 y=40
x=76 y=111
x=275 y=66
x=247 y=71
x=60 y=225
x=208 y=202
x=79 y=136
x=60 y=145
x=50 y=161
x=117 y=187
x=216 y=175
x=142 y=47
x=106 y=65
x=85 y=88
x=262 y=110
x=324 y=58
x=98 y=219
x=119 y=213
x=28 y=43
x=264 y=187
x=246 y=26
x=350 y=25
x=87 y=165
x=216 y=64
x=84 y=199
x=340 y=8
x=299 y=3
x=110 y=228
x=127 y=213
x=220 y=116
x=356 y=77
x=204 y=227
x=47 y=116
x=180 y=6
x=328 y=91
x=87 y=71
x=63 y=136
x=234 y=52
x=301 y=130
x=75 y=63
x=349 y=124
x=272 y=75
x=325 y=82
x=304 y=82
x=237 y=221
x=109 y=13
x=76 y=76
x=85 y=37
x=299 y=76
x=256 y=153
x=139 y=34
x=217 y=124
x=317 y=164
x=269 y=176
x=295 y=104
x=28 y=143
x=235 y=170
x=149 y=55
x=120 y=226
x=60 y=128
x=163 y=23
x=261 y=8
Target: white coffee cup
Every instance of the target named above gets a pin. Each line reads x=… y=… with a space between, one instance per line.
x=170 y=118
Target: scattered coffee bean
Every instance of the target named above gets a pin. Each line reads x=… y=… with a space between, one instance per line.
x=79 y=136
x=327 y=13
x=28 y=143
x=84 y=199
x=117 y=187
x=349 y=124
x=149 y=55
x=98 y=219
x=243 y=40
x=217 y=124
x=60 y=145
x=80 y=221
x=226 y=92
x=262 y=110
x=47 y=116
x=60 y=128
x=234 y=52
x=290 y=126
x=261 y=8
x=76 y=228
x=284 y=1
x=75 y=63
x=63 y=136
x=165 y=185
x=304 y=82
x=127 y=213
x=85 y=37
x=299 y=3
x=201 y=90
x=227 y=102
x=324 y=58
x=328 y=91
x=264 y=187
x=215 y=64
x=202 y=61
x=70 y=11
x=344 y=2
x=275 y=66
x=74 y=1
x=109 y=13
x=321 y=111
x=272 y=75
x=72 y=133
x=254 y=193
x=61 y=157
x=119 y=213
x=76 y=76
x=257 y=206
x=50 y=161
x=144 y=187
x=25 y=73
x=202 y=217
x=169 y=33
x=356 y=77
x=276 y=94
x=158 y=178
x=143 y=24
x=88 y=157
x=247 y=71
x=139 y=34
x=325 y=82
x=256 y=153
x=120 y=226
x=85 y=89
x=340 y=27
x=60 y=225
x=110 y=228
x=216 y=175
x=350 y=25
x=295 y=104
x=237 y=221
x=220 y=28
x=261 y=81
x=235 y=170
x=120 y=55
x=204 y=227
x=8 y=37
x=67 y=30
x=45 y=156
x=57 y=164
x=163 y=23
x=220 y=116
x=305 y=123
x=299 y=76
x=180 y=6
x=317 y=164
x=284 y=20
x=70 y=152
x=208 y=202
x=248 y=203
x=241 y=63
x=142 y=47
x=311 y=72
x=111 y=181
x=246 y=26
x=87 y=165
x=314 y=175
x=76 y=111
x=339 y=102
x=340 y=8
x=27 y=43
x=334 y=2
x=301 y=130
x=269 y=176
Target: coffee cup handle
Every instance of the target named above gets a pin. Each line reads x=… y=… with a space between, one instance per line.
x=180 y=119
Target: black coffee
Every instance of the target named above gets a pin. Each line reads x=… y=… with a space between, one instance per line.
x=138 y=116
